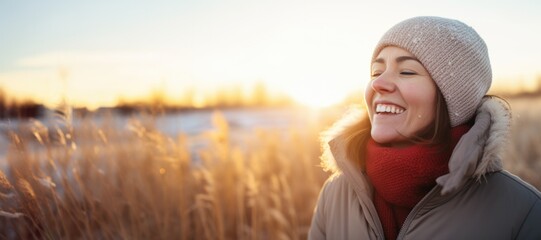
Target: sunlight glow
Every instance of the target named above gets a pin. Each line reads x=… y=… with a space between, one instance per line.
x=318 y=99
x=314 y=102
x=305 y=50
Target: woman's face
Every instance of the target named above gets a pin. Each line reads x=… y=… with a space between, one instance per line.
x=401 y=97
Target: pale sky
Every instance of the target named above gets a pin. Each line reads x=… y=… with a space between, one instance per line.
x=315 y=51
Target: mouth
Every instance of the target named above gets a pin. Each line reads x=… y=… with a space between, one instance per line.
x=389 y=109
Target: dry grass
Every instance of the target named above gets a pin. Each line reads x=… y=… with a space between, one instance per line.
x=98 y=182
x=95 y=181
x=523 y=154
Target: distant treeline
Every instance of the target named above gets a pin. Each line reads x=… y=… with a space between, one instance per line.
x=529 y=94
x=158 y=102
x=127 y=108
x=12 y=109
x=233 y=96
x=535 y=92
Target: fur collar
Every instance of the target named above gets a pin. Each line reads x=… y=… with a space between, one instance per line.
x=477 y=153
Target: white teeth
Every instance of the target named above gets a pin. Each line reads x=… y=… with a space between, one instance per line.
x=385 y=108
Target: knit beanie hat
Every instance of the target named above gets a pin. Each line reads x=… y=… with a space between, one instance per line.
x=453 y=53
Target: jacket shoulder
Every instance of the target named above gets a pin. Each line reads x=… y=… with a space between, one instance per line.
x=334 y=187
x=339 y=214
x=497 y=206
x=509 y=181
x=529 y=227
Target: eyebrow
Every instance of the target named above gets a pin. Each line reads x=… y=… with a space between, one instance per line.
x=398 y=59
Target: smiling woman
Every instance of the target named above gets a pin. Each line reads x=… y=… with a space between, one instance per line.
x=425 y=161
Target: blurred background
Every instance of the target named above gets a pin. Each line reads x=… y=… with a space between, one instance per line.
x=201 y=119
x=207 y=53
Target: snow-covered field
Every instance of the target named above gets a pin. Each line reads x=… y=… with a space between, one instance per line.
x=190 y=123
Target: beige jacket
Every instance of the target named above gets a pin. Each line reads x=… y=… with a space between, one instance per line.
x=476 y=200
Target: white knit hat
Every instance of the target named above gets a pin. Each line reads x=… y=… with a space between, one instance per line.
x=453 y=53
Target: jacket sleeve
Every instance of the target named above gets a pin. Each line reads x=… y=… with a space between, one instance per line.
x=317 y=228
x=530 y=227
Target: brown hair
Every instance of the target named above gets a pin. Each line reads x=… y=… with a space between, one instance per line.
x=439 y=131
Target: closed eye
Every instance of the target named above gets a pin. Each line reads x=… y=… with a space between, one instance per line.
x=408 y=73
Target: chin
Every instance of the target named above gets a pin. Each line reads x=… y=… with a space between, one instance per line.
x=382 y=140
x=383 y=137
x=388 y=137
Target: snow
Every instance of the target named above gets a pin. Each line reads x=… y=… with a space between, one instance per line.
x=191 y=123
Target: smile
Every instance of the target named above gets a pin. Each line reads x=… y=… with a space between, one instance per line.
x=387 y=108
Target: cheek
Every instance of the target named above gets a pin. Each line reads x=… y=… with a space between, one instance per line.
x=423 y=96
x=421 y=100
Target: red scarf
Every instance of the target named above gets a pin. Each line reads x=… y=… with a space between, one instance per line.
x=403 y=176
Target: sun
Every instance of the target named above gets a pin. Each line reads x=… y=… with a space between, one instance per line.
x=317 y=100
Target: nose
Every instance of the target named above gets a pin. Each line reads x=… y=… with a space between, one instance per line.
x=383 y=83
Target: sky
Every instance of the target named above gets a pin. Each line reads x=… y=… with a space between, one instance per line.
x=93 y=52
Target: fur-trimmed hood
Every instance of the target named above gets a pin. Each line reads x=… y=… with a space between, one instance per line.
x=478 y=152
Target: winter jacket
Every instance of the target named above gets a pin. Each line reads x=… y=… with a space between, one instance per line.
x=475 y=200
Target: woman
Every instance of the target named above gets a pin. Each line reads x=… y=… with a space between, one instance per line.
x=424 y=161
